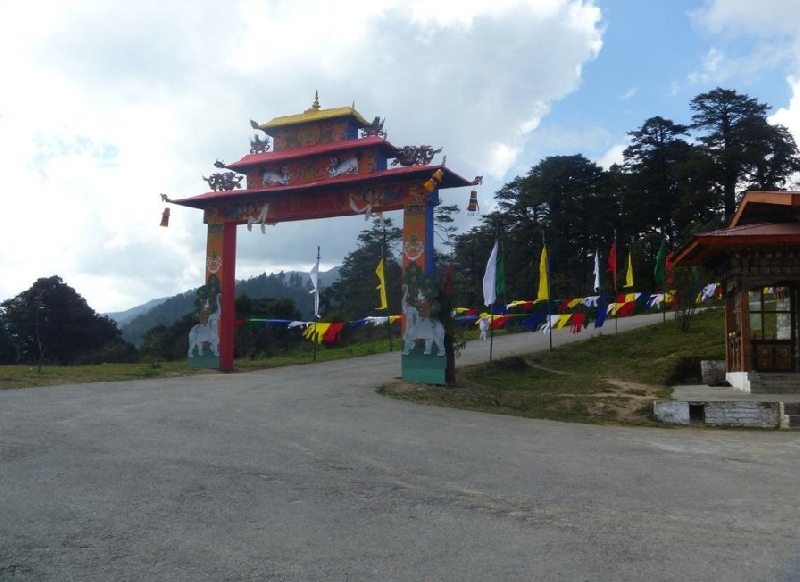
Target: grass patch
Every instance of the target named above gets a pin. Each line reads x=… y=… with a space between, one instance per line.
x=613 y=378
x=27 y=376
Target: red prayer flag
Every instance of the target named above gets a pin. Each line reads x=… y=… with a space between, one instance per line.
x=669 y=264
x=612 y=263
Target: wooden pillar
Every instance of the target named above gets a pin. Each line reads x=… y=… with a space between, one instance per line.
x=746 y=356
x=228 y=302
x=732 y=332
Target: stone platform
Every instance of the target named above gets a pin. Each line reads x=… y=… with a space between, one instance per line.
x=724 y=406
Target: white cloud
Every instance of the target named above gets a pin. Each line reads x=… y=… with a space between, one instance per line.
x=765 y=18
x=770 y=25
x=790 y=116
x=122 y=101
x=613 y=155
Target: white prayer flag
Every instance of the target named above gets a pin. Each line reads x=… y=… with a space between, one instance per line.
x=489 y=289
x=597 y=270
x=314 y=274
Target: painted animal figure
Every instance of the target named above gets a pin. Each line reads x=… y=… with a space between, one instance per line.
x=346 y=166
x=431 y=331
x=281 y=177
x=205 y=333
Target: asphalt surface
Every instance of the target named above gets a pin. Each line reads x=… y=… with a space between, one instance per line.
x=306 y=473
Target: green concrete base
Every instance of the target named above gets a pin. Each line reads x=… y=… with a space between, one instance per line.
x=430 y=369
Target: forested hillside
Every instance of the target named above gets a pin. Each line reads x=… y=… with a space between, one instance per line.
x=293 y=285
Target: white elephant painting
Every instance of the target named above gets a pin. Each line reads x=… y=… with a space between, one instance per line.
x=430 y=330
x=203 y=334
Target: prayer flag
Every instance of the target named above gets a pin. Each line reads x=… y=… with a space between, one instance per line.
x=660 y=272
x=596 y=270
x=669 y=264
x=314 y=274
x=382 y=287
x=612 y=263
x=629 y=272
x=489 y=278
x=544 y=286
x=500 y=275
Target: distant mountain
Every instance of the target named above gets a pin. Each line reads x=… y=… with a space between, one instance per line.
x=123 y=317
x=294 y=285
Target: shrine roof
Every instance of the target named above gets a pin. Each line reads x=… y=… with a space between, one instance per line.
x=705 y=247
x=251 y=160
x=312 y=114
x=403 y=173
x=763 y=206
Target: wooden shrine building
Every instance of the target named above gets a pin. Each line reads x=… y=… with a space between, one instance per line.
x=757 y=261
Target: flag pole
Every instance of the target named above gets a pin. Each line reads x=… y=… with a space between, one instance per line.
x=383 y=261
x=494 y=283
x=316 y=332
x=491 y=331
x=659 y=262
x=491 y=308
x=549 y=315
x=616 y=307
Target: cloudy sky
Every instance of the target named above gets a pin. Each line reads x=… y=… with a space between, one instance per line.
x=104 y=105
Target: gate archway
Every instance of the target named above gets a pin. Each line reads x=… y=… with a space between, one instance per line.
x=322 y=163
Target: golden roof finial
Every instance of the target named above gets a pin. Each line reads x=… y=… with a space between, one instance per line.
x=315 y=105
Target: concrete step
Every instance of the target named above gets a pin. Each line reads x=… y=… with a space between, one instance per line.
x=776 y=383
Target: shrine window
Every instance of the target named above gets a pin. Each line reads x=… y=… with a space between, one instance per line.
x=771 y=313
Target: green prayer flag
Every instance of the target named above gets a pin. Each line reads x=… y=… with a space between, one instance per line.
x=500 y=276
x=660 y=272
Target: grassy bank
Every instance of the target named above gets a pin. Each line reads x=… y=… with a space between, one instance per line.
x=610 y=378
x=28 y=376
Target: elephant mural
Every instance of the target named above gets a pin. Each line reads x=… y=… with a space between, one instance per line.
x=428 y=329
x=205 y=333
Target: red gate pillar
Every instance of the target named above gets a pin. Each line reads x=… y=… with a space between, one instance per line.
x=211 y=339
x=228 y=301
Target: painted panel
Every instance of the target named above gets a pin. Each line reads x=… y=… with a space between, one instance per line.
x=310 y=170
x=423 y=357
x=347 y=202
x=204 y=335
x=309 y=134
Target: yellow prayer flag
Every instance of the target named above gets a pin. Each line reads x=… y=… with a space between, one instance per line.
x=382 y=286
x=544 y=286
x=629 y=273
x=316 y=332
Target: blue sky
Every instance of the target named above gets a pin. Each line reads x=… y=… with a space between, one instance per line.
x=113 y=103
x=654 y=60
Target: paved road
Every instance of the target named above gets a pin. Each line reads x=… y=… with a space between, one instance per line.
x=305 y=473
